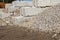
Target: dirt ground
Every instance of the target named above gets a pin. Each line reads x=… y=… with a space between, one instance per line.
x=22 y=33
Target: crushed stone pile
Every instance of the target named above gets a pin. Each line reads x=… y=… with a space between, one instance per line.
x=36 y=28
x=49 y=20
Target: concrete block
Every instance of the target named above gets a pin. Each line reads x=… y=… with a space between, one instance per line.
x=19 y=20
x=4 y=15
x=22 y=3
x=45 y=2
x=31 y=11
x=8 y=5
x=12 y=9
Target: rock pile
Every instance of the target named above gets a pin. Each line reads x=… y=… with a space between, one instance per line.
x=49 y=20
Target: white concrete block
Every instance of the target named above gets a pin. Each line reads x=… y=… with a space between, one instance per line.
x=12 y=8
x=28 y=11
x=1 y=9
x=22 y=3
x=4 y=15
x=19 y=20
x=45 y=2
x=8 y=5
x=54 y=2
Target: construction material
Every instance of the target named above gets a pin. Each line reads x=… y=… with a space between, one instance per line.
x=31 y=11
x=22 y=3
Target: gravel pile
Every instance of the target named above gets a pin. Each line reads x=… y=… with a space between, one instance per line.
x=49 y=20
x=38 y=25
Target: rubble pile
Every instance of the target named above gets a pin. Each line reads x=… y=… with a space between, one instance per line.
x=48 y=20
x=27 y=22
x=45 y=19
